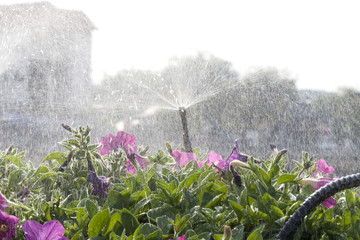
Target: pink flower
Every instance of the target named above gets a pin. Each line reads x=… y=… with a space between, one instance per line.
x=51 y=230
x=125 y=141
x=7 y=226
x=142 y=161
x=317 y=183
x=213 y=158
x=322 y=167
x=3 y=203
x=122 y=139
x=183 y=158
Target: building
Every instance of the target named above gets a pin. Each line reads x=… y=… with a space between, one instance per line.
x=45 y=57
x=45 y=64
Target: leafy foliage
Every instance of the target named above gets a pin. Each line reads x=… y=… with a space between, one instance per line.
x=166 y=201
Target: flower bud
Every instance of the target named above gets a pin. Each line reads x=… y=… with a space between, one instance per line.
x=237 y=163
x=227 y=233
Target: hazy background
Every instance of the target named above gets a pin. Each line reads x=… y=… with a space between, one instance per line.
x=316 y=41
x=262 y=72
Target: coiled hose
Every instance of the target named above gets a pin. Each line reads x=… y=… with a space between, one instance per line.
x=315 y=199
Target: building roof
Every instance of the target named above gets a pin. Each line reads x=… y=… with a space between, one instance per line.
x=43 y=15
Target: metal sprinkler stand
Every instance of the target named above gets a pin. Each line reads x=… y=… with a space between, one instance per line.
x=187 y=143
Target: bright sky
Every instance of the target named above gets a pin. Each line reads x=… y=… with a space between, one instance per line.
x=318 y=42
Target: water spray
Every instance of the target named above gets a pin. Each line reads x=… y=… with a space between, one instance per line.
x=186 y=138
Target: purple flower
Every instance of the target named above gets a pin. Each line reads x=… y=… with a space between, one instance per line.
x=51 y=230
x=323 y=168
x=317 y=183
x=7 y=226
x=183 y=158
x=100 y=184
x=23 y=194
x=235 y=155
x=3 y=203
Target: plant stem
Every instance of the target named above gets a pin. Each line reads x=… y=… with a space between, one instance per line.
x=186 y=138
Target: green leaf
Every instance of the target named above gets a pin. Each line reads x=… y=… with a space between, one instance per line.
x=136 y=234
x=215 y=200
x=293 y=207
x=91 y=207
x=118 y=200
x=218 y=236
x=113 y=236
x=42 y=169
x=92 y=147
x=151 y=172
x=350 y=199
x=275 y=211
x=47 y=175
x=238 y=232
x=76 y=236
x=98 y=223
x=114 y=219
x=256 y=234
x=220 y=186
x=238 y=209
x=180 y=225
x=164 y=210
x=347 y=218
x=16 y=177
x=186 y=183
x=265 y=176
x=285 y=178
x=58 y=156
x=129 y=221
x=189 y=200
x=142 y=203
x=164 y=224
x=15 y=160
x=150 y=231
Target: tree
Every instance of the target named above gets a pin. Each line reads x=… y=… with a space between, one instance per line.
x=341 y=113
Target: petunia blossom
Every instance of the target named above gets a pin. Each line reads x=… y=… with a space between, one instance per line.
x=183 y=158
x=142 y=161
x=3 y=203
x=51 y=230
x=7 y=226
x=212 y=158
x=235 y=155
x=317 y=183
x=323 y=168
x=107 y=144
x=125 y=141
x=100 y=184
x=23 y=194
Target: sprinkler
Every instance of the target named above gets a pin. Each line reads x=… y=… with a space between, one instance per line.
x=187 y=143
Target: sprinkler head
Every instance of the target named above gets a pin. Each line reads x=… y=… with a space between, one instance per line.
x=182 y=109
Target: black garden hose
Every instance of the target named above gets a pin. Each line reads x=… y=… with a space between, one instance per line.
x=315 y=199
